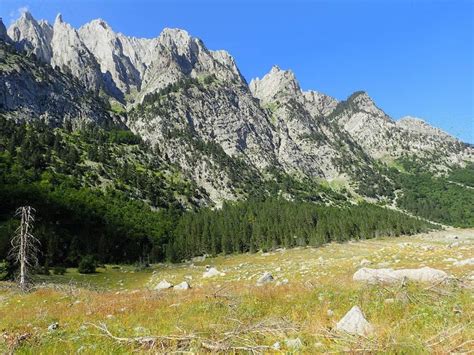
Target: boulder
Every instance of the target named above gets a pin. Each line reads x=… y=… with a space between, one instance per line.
x=464 y=262
x=163 y=285
x=355 y=323
x=293 y=343
x=424 y=274
x=211 y=272
x=182 y=286
x=199 y=259
x=364 y=262
x=265 y=278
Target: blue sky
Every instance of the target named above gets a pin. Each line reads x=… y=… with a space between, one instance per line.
x=412 y=57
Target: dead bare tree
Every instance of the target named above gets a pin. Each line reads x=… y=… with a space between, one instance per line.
x=24 y=245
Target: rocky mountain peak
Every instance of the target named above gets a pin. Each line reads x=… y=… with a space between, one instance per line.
x=70 y=53
x=3 y=32
x=276 y=84
x=26 y=16
x=58 y=19
x=361 y=101
x=32 y=37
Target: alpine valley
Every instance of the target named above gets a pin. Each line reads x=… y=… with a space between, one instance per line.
x=130 y=147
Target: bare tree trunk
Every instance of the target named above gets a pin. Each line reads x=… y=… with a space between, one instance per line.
x=24 y=245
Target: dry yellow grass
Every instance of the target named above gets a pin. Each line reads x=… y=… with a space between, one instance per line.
x=231 y=311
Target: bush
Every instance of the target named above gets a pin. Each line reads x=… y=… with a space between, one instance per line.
x=87 y=265
x=59 y=270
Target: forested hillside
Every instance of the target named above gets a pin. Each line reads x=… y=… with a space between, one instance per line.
x=445 y=199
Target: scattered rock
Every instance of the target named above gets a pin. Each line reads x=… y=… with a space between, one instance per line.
x=53 y=326
x=282 y=282
x=464 y=262
x=293 y=343
x=211 y=272
x=364 y=262
x=198 y=259
x=330 y=313
x=354 y=322
x=424 y=274
x=276 y=346
x=182 y=286
x=265 y=278
x=163 y=285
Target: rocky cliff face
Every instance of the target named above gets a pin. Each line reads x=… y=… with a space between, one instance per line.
x=30 y=90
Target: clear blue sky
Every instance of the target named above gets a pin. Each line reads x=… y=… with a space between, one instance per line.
x=413 y=57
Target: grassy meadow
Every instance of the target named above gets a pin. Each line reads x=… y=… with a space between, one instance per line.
x=117 y=310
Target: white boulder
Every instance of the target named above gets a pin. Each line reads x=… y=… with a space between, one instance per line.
x=464 y=262
x=163 y=285
x=354 y=322
x=424 y=274
x=211 y=272
x=265 y=278
x=182 y=286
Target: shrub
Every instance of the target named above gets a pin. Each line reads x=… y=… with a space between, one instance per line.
x=87 y=265
x=59 y=270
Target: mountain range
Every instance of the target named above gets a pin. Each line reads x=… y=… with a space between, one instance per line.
x=197 y=112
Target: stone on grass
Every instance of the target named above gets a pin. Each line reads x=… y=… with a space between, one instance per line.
x=464 y=262
x=53 y=326
x=282 y=282
x=198 y=259
x=163 y=285
x=182 y=286
x=293 y=343
x=265 y=278
x=355 y=323
x=424 y=274
x=211 y=272
x=364 y=262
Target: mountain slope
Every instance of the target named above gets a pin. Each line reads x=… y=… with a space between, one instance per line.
x=193 y=105
x=31 y=91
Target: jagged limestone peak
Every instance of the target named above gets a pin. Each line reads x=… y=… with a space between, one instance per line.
x=32 y=37
x=275 y=84
x=58 y=19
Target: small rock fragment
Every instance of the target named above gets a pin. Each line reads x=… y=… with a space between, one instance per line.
x=53 y=326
